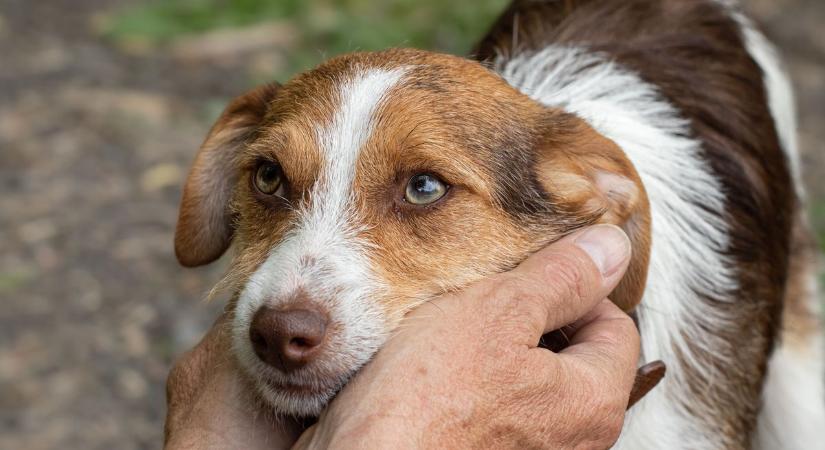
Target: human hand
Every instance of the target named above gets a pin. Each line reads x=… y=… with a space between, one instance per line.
x=209 y=405
x=461 y=371
x=464 y=370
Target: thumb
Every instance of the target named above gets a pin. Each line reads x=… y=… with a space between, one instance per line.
x=561 y=283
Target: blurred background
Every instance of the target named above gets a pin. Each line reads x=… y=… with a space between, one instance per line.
x=103 y=104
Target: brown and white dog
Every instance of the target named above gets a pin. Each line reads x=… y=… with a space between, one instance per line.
x=376 y=181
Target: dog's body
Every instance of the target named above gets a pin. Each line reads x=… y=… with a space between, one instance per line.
x=376 y=181
x=696 y=98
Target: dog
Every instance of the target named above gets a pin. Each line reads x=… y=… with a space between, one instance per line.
x=378 y=180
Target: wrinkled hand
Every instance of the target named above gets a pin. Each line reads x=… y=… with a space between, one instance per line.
x=462 y=371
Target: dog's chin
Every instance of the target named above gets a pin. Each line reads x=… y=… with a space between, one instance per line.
x=301 y=394
x=296 y=400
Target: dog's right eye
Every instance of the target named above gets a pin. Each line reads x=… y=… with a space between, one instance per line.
x=424 y=189
x=269 y=179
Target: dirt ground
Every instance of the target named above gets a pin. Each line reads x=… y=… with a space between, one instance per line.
x=94 y=143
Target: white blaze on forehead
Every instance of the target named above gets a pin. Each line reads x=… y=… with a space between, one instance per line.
x=329 y=222
x=341 y=142
x=323 y=257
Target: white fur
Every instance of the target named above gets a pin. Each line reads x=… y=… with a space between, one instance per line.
x=793 y=414
x=686 y=259
x=323 y=257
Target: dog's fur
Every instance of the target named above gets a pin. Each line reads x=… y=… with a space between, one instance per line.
x=671 y=118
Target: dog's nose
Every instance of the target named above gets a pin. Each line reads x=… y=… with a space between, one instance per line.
x=287 y=339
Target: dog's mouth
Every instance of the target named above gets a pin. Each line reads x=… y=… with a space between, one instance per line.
x=302 y=394
x=296 y=369
x=303 y=390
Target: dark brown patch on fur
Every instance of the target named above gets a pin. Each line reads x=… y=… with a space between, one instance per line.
x=589 y=178
x=694 y=53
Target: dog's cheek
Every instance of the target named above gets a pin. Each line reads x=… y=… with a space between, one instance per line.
x=259 y=229
x=460 y=243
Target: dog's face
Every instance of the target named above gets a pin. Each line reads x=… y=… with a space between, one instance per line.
x=364 y=187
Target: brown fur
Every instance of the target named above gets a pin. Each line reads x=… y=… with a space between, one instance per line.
x=503 y=160
x=205 y=224
x=591 y=176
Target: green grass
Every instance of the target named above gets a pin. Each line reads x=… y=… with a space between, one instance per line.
x=163 y=20
x=817 y=211
x=818 y=221
x=10 y=281
x=325 y=27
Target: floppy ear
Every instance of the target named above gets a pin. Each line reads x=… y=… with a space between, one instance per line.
x=588 y=175
x=205 y=224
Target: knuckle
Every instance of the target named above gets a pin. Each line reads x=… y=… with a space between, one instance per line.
x=603 y=408
x=612 y=427
x=510 y=288
x=610 y=402
x=630 y=341
x=566 y=276
x=503 y=367
x=612 y=396
x=629 y=333
x=603 y=430
x=609 y=433
x=607 y=393
x=632 y=332
x=513 y=293
x=514 y=307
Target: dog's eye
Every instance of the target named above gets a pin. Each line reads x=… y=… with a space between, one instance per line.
x=424 y=189
x=269 y=179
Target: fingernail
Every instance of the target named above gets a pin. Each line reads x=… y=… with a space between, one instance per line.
x=607 y=246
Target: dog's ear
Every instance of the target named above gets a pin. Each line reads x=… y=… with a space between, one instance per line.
x=205 y=223
x=589 y=176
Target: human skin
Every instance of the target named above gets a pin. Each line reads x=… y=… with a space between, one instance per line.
x=462 y=371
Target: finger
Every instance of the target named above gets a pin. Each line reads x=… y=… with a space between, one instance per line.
x=607 y=340
x=560 y=283
x=192 y=370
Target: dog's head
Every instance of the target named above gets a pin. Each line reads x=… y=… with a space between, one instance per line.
x=374 y=182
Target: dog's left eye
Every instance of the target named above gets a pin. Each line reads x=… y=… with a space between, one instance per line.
x=424 y=189
x=269 y=179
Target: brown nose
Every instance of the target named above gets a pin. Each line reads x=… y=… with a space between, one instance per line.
x=287 y=339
